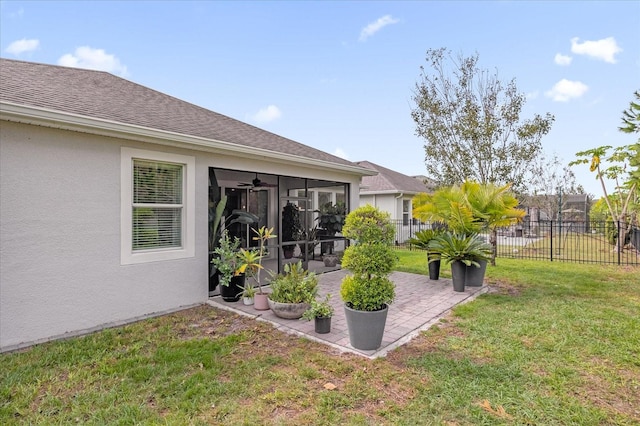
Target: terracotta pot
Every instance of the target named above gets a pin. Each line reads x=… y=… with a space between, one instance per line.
x=261 y=302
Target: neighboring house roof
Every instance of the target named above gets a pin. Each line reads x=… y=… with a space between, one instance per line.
x=576 y=198
x=388 y=181
x=102 y=96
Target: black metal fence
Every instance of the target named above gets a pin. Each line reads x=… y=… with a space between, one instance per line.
x=561 y=241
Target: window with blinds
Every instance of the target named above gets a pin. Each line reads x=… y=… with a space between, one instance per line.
x=406 y=212
x=157 y=215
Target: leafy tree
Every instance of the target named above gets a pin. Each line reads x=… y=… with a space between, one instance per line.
x=631 y=117
x=471 y=123
x=623 y=169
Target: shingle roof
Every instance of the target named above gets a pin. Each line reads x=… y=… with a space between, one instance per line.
x=388 y=180
x=98 y=94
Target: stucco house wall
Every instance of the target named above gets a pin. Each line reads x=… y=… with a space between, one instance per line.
x=388 y=190
x=60 y=215
x=66 y=147
x=389 y=203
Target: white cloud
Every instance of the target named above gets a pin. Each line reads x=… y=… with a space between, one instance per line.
x=93 y=59
x=376 y=26
x=339 y=152
x=533 y=95
x=17 y=15
x=267 y=114
x=565 y=90
x=604 y=49
x=561 y=59
x=21 y=46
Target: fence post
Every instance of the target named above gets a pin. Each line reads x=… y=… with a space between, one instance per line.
x=621 y=239
x=551 y=239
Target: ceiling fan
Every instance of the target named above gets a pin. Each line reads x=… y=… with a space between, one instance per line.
x=257 y=183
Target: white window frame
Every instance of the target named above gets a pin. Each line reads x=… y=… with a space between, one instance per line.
x=127 y=254
x=407 y=213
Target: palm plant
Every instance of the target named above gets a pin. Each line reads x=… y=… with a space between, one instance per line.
x=468 y=249
x=470 y=208
x=423 y=238
x=495 y=207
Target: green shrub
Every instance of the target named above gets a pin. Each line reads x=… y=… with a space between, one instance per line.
x=370 y=260
x=295 y=285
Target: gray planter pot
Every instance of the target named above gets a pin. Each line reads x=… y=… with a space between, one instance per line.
x=475 y=275
x=288 y=310
x=458 y=273
x=366 y=327
x=330 y=260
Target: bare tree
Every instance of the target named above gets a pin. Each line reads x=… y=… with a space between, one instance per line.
x=471 y=123
x=549 y=177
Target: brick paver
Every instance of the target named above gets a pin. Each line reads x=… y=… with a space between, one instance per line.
x=419 y=304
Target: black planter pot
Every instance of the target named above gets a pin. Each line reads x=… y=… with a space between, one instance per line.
x=434 y=269
x=214 y=278
x=233 y=291
x=322 y=325
x=288 y=252
x=475 y=275
x=458 y=273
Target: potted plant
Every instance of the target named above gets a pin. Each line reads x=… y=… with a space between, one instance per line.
x=330 y=221
x=218 y=223
x=226 y=260
x=321 y=313
x=368 y=291
x=461 y=251
x=292 y=291
x=248 y=293
x=422 y=239
x=291 y=228
x=251 y=264
x=310 y=236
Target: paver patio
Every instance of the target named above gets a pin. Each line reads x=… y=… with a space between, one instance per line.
x=419 y=303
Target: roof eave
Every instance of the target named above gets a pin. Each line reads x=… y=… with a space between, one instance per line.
x=387 y=192
x=60 y=120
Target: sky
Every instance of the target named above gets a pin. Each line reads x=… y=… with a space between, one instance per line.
x=340 y=76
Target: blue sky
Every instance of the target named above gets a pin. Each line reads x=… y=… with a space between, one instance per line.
x=339 y=76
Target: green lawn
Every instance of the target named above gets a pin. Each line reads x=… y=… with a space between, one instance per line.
x=551 y=344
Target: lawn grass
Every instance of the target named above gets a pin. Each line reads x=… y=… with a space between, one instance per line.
x=550 y=344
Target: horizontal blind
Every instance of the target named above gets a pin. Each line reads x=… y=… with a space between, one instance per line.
x=157 y=183
x=157 y=205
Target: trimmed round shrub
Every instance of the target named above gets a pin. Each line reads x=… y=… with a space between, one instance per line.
x=370 y=260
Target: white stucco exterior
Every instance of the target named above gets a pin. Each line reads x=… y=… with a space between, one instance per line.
x=60 y=225
x=390 y=203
